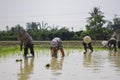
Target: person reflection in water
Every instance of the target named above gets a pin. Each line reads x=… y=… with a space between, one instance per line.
x=114 y=58
x=87 y=60
x=27 y=69
x=56 y=44
x=56 y=64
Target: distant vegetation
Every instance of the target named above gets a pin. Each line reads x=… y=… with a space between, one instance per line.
x=96 y=27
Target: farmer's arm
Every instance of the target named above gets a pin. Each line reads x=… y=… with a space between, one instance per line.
x=109 y=43
x=21 y=44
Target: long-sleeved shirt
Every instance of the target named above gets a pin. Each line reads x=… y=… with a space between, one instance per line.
x=25 y=38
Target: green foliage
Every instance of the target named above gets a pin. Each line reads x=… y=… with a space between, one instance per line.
x=6 y=50
x=48 y=34
x=116 y=23
x=41 y=31
x=95 y=23
x=10 y=34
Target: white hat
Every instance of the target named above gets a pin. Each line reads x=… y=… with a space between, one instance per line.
x=87 y=39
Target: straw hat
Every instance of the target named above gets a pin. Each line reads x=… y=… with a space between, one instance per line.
x=87 y=39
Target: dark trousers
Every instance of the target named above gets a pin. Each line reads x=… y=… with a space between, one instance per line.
x=112 y=45
x=30 y=46
x=119 y=44
x=89 y=45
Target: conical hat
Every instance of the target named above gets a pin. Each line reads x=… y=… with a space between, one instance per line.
x=87 y=39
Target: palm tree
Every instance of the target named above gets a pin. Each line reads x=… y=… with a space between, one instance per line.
x=43 y=25
x=95 y=22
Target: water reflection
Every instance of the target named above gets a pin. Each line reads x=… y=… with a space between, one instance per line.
x=114 y=58
x=74 y=66
x=26 y=69
x=93 y=61
x=87 y=59
x=56 y=65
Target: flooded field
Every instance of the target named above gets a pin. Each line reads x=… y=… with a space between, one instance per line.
x=100 y=65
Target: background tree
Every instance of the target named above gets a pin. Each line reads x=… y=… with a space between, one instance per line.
x=32 y=25
x=116 y=23
x=95 y=23
x=42 y=31
x=112 y=26
x=10 y=34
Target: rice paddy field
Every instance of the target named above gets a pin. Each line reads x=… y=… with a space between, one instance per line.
x=101 y=64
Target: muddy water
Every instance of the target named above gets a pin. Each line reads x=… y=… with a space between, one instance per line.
x=100 y=65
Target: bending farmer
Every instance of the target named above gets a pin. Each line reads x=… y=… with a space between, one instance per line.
x=26 y=41
x=112 y=44
x=116 y=35
x=56 y=44
x=87 y=43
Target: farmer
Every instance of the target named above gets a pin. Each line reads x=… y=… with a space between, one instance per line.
x=87 y=43
x=26 y=41
x=112 y=44
x=116 y=35
x=56 y=44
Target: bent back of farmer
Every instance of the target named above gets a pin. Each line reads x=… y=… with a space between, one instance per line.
x=26 y=41
x=87 y=43
x=56 y=44
x=112 y=44
x=116 y=35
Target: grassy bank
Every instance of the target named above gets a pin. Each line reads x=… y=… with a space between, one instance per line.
x=13 y=46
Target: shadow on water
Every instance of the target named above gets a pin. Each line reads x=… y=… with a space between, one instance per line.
x=26 y=69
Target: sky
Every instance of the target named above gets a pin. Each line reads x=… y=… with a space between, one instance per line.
x=65 y=13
